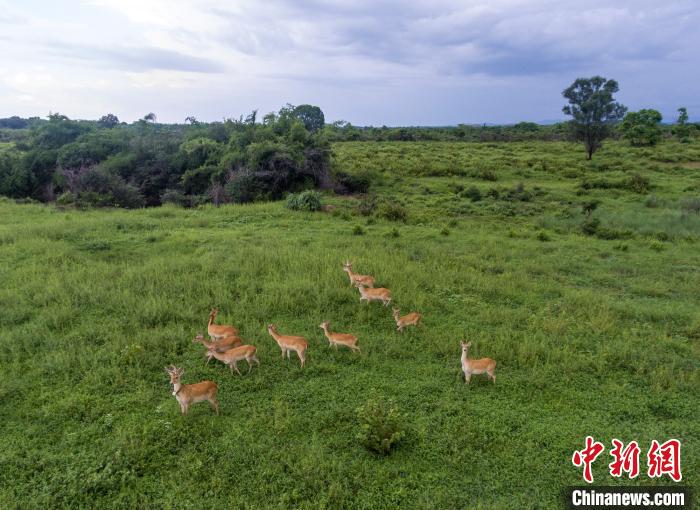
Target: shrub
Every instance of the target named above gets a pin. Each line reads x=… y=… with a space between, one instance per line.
x=393 y=211
x=519 y=193
x=590 y=226
x=656 y=245
x=691 y=205
x=367 y=205
x=245 y=186
x=638 y=183
x=543 y=236
x=445 y=231
x=473 y=194
x=380 y=425
x=345 y=183
x=653 y=202
x=393 y=233
x=308 y=200
x=589 y=207
x=357 y=230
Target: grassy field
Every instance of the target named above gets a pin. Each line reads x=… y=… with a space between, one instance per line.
x=593 y=319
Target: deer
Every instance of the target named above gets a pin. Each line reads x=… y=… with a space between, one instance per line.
x=289 y=343
x=188 y=394
x=364 y=279
x=223 y=345
x=476 y=366
x=336 y=339
x=372 y=294
x=233 y=356
x=411 y=319
x=218 y=331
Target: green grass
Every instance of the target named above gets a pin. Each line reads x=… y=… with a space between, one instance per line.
x=592 y=335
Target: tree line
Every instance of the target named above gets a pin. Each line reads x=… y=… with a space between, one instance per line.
x=145 y=163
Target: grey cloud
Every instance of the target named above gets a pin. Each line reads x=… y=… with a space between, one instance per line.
x=137 y=58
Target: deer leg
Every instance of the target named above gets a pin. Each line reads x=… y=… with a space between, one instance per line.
x=235 y=367
x=215 y=405
x=493 y=377
x=250 y=365
x=467 y=378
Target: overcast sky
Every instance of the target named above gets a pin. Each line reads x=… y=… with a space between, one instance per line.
x=407 y=62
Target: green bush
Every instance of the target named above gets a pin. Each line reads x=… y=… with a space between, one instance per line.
x=393 y=211
x=691 y=205
x=367 y=205
x=308 y=200
x=638 y=183
x=473 y=194
x=381 y=425
x=357 y=230
x=346 y=183
x=590 y=226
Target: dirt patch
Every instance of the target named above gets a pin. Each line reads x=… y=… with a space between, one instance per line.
x=693 y=164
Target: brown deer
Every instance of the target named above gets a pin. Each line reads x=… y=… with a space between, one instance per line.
x=233 y=356
x=218 y=331
x=476 y=366
x=223 y=345
x=336 y=339
x=371 y=294
x=411 y=319
x=188 y=394
x=364 y=279
x=289 y=343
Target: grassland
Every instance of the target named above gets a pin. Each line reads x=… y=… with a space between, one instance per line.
x=594 y=333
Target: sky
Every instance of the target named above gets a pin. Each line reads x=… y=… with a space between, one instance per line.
x=369 y=62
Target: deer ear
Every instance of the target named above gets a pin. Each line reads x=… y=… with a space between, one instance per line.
x=469 y=344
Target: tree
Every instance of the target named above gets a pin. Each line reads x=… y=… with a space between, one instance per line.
x=682 y=129
x=150 y=117
x=192 y=120
x=642 y=128
x=594 y=110
x=311 y=116
x=108 y=121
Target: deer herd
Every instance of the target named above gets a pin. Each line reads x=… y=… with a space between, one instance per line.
x=227 y=346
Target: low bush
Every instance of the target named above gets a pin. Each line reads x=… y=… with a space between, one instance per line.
x=381 y=426
x=393 y=211
x=346 y=183
x=473 y=193
x=590 y=226
x=691 y=205
x=308 y=200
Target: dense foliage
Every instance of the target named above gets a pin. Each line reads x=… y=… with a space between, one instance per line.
x=144 y=163
x=642 y=128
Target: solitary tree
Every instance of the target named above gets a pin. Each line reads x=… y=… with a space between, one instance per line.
x=682 y=129
x=594 y=110
x=311 y=116
x=642 y=127
x=150 y=117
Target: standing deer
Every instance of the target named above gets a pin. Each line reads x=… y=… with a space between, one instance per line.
x=233 y=356
x=411 y=319
x=336 y=339
x=476 y=366
x=364 y=279
x=218 y=331
x=289 y=343
x=371 y=294
x=188 y=394
x=223 y=345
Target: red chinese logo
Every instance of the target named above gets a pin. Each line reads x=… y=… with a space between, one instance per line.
x=625 y=460
x=587 y=456
x=665 y=459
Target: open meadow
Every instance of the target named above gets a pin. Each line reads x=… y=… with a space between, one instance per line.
x=581 y=279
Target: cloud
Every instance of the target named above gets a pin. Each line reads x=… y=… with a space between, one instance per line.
x=367 y=61
x=136 y=58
